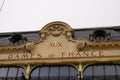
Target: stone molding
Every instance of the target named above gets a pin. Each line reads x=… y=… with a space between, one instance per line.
x=58 y=36
x=56 y=29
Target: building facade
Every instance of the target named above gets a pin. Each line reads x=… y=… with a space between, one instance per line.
x=58 y=52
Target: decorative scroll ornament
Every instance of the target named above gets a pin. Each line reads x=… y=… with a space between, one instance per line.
x=56 y=29
x=30 y=46
x=81 y=44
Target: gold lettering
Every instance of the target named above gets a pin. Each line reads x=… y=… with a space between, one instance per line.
x=60 y=44
x=55 y=44
x=16 y=56
x=100 y=53
x=97 y=53
x=39 y=55
x=85 y=54
x=78 y=54
x=31 y=56
x=63 y=54
x=93 y=54
x=71 y=54
x=24 y=56
x=10 y=56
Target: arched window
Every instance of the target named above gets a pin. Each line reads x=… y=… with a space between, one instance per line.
x=17 y=38
x=102 y=72
x=99 y=35
x=54 y=73
x=11 y=73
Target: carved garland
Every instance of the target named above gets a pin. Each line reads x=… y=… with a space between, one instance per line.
x=56 y=30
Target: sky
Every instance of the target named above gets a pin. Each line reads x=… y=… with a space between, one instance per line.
x=32 y=15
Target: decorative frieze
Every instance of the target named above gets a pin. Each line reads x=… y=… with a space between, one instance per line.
x=56 y=42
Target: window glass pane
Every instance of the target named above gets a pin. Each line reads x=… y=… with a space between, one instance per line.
x=64 y=71
x=88 y=71
x=35 y=72
x=109 y=70
x=102 y=72
x=118 y=69
x=3 y=72
x=12 y=72
x=98 y=70
x=44 y=71
x=73 y=71
x=21 y=70
x=54 y=71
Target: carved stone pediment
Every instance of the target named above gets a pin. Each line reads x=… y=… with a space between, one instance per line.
x=56 y=29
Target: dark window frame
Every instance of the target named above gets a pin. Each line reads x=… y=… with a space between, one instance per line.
x=59 y=69
x=103 y=76
x=12 y=76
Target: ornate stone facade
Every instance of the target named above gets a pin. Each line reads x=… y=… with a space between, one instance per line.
x=56 y=46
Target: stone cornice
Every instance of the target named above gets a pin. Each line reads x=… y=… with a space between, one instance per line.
x=100 y=45
x=56 y=45
x=26 y=47
x=81 y=45
x=56 y=29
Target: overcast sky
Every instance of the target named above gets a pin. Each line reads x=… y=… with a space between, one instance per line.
x=31 y=15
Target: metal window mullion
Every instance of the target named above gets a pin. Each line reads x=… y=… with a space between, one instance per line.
x=59 y=72
x=115 y=66
x=17 y=72
x=39 y=73
x=69 y=72
x=93 y=72
x=104 y=71
x=7 y=73
x=48 y=73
